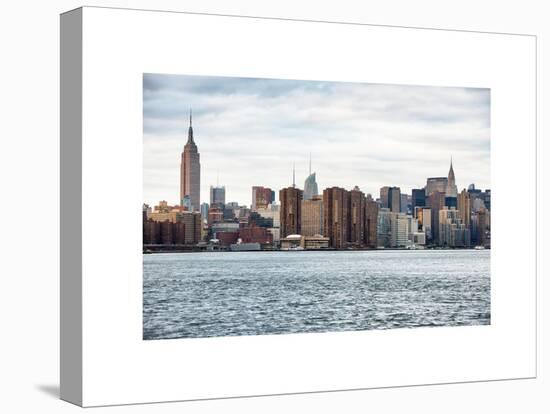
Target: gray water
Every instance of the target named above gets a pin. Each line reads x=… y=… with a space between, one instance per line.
x=189 y=295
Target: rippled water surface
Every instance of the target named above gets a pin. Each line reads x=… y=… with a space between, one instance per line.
x=256 y=293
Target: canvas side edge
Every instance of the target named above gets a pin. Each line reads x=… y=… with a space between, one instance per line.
x=71 y=355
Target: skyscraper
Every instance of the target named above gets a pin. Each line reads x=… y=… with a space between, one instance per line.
x=418 y=199
x=424 y=217
x=452 y=232
x=451 y=190
x=435 y=184
x=310 y=185
x=384 y=194
x=204 y=211
x=262 y=197
x=464 y=208
x=394 y=199
x=217 y=196
x=399 y=229
x=436 y=202
x=312 y=216
x=190 y=171
x=371 y=222
x=357 y=217
x=290 y=211
x=336 y=203
x=383 y=228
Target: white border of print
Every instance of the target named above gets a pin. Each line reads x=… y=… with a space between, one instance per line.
x=120 y=45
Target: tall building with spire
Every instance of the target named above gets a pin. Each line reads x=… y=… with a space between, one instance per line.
x=451 y=190
x=190 y=171
x=290 y=199
x=310 y=185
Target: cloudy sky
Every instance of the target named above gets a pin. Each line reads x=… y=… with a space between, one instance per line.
x=251 y=131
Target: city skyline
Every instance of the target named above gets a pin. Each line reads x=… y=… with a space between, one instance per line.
x=338 y=136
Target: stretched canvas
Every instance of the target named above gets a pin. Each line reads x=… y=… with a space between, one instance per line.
x=256 y=206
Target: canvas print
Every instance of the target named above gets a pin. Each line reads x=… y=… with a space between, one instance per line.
x=277 y=206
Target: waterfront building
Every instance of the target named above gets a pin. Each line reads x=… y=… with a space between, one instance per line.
x=419 y=239
x=486 y=197
x=186 y=203
x=405 y=203
x=424 y=217
x=384 y=228
x=371 y=222
x=232 y=211
x=336 y=216
x=190 y=171
x=481 y=227
x=217 y=196
x=436 y=184
x=418 y=199
x=290 y=210
x=394 y=199
x=484 y=219
x=399 y=230
x=231 y=227
x=357 y=217
x=436 y=202
x=452 y=231
x=226 y=238
x=276 y=235
x=257 y=219
x=163 y=207
x=315 y=242
x=412 y=226
x=464 y=207
x=451 y=202
x=262 y=197
x=164 y=212
x=166 y=232
x=291 y=242
x=390 y=197
x=255 y=234
x=192 y=231
x=272 y=212
x=477 y=204
x=180 y=227
x=312 y=216
x=204 y=211
x=245 y=247
x=384 y=197
x=146 y=211
x=479 y=199
x=310 y=185
x=215 y=215
x=151 y=232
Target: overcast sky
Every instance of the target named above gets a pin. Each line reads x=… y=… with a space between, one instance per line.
x=251 y=131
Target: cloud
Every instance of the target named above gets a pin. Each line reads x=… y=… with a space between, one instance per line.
x=251 y=131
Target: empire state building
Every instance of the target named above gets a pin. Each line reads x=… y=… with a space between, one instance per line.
x=190 y=172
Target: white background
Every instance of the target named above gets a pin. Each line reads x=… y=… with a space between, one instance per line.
x=30 y=193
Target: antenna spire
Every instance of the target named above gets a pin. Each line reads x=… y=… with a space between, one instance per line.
x=293 y=175
x=310 y=163
x=190 y=133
